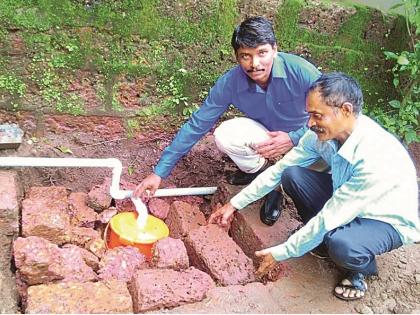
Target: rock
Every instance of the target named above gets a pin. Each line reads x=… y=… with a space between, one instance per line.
x=45 y=214
x=363 y=309
x=159 y=208
x=154 y=289
x=89 y=258
x=10 y=136
x=96 y=246
x=251 y=234
x=212 y=250
x=81 y=236
x=40 y=261
x=417 y=277
x=121 y=263
x=81 y=214
x=390 y=304
x=170 y=253
x=105 y=216
x=10 y=194
x=183 y=218
x=104 y=297
x=99 y=198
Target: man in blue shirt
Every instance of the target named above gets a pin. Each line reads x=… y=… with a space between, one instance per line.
x=269 y=89
x=366 y=206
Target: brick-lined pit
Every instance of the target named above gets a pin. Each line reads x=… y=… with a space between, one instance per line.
x=61 y=255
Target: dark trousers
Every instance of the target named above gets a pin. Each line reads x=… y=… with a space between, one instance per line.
x=352 y=246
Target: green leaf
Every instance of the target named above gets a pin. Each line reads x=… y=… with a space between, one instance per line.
x=65 y=149
x=130 y=170
x=390 y=55
x=410 y=136
x=396 y=82
x=402 y=60
x=395 y=6
x=395 y=104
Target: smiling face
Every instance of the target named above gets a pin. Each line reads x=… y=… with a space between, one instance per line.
x=257 y=62
x=329 y=122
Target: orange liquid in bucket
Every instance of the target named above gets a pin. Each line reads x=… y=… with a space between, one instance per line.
x=124 y=231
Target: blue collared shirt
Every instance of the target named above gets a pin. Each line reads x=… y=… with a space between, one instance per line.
x=280 y=107
x=373 y=177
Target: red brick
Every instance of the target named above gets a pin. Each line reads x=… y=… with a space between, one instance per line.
x=40 y=261
x=45 y=214
x=99 y=197
x=10 y=194
x=89 y=258
x=248 y=231
x=183 y=218
x=105 y=216
x=158 y=207
x=121 y=263
x=81 y=214
x=251 y=234
x=154 y=289
x=104 y=297
x=212 y=250
x=170 y=253
x=96 y=246
x=81 y=236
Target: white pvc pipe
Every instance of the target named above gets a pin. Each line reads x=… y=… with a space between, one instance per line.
x=113 y=163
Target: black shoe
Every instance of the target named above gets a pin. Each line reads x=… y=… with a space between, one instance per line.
x=271 y=209
x=242 y=178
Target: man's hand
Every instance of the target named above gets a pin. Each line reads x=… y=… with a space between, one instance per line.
x=223 y=215
x=147 y=187
x=268 y=263
x=278 y=144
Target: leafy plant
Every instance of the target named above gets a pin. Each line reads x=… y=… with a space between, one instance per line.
x=133 y=126
x=402 y=117
x=12 y=85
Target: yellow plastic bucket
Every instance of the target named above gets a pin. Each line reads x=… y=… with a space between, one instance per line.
x=124 y=231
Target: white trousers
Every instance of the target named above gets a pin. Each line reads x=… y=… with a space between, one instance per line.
x=236 y=137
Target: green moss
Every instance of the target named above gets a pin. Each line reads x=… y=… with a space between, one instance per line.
x=178 y=56
x=346 y=51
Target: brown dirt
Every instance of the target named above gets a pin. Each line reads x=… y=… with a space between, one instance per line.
x=395 y=290
x=324 y=19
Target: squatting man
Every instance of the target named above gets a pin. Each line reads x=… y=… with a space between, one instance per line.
x=367 y=205
x=269 y=88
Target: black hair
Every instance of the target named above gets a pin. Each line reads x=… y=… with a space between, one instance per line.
x=253 y=32
x=336 y=88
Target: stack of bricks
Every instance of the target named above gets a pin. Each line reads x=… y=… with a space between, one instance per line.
x=185 y=267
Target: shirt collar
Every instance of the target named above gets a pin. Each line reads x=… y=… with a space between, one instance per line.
x=348 y=149
x=278 y=71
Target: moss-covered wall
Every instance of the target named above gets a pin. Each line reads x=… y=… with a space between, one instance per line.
x=146 y=57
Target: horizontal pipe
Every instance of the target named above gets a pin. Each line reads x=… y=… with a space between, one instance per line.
x=165 y=192
x=113 y=163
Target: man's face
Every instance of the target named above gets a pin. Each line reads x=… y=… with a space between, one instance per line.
x=257 y=62
x=326 y=121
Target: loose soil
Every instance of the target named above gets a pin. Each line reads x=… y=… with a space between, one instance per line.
x=304 y=288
